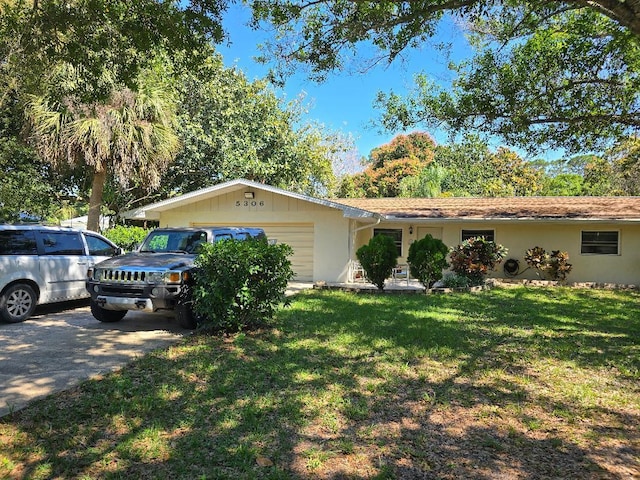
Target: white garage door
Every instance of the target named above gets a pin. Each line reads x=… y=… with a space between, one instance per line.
x=299 y=236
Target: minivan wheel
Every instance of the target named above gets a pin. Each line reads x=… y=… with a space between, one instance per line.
x=104 y=315
x=17 y=303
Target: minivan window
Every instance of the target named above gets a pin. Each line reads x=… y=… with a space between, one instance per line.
x=62 y=243
x=18 y=242
x=99 y=247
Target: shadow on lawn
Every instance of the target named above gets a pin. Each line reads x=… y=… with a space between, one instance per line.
x=351 y=387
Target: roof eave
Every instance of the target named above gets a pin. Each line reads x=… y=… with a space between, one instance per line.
x=393 y=218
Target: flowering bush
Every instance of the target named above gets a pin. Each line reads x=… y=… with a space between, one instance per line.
x=554 y=265
x=475 y=257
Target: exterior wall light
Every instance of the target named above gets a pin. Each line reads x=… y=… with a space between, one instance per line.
x=249 y=195
x=410 y=229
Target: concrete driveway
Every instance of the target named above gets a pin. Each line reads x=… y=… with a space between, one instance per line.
x=62 y=344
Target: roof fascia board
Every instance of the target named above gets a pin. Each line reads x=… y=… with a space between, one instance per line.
x=421 y=220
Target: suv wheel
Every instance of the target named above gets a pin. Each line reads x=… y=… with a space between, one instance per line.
x=18 y=303
x=104 y=315
x=186 y=317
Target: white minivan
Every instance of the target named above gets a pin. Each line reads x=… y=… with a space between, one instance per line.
x=41 y=264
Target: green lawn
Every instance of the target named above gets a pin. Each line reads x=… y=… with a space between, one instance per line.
x=510 y=383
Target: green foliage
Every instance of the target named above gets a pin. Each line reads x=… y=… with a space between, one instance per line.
x=231 y=127
x=26 y=184
x=559 y=80
x=452 y=280
x=426 y=184
x=106 y=42
x=563 y=185
x=554 y=265
x=404 y=157
x=468 y=166
x=126 y=237
x=240 y=284
x=555 y=74
x=131 y=135
x=475 y=257
x=427 y=259
x=624 y=158
x=378 y=258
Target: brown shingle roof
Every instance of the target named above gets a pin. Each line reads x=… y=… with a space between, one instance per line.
x=595 y=208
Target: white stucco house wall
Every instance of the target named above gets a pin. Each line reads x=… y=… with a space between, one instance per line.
x=601 y=234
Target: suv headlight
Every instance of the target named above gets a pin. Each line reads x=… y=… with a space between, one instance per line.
x=163 y=277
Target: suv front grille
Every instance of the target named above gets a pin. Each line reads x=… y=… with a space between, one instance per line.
x=123 y=276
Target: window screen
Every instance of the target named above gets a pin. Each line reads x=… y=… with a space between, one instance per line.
x=394 y=233
x=489 y=235
x=600 y=243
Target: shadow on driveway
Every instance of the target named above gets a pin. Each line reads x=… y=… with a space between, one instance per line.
x=62 y=344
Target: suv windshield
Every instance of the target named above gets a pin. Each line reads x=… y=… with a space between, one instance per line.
x=169 y=241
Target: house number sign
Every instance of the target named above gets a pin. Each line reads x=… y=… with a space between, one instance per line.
x=250 y=203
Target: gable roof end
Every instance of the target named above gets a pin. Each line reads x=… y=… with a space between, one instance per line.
x=152 y=211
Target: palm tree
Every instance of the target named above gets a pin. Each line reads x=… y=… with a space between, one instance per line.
x=131 y=135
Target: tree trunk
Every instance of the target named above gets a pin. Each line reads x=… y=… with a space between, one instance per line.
x=95 y=200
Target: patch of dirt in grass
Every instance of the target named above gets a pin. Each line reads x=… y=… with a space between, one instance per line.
x=457 y=442
x=405 y=438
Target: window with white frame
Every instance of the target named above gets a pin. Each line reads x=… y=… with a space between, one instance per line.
x=600 y=242
x=489 y=235
x=394 y=233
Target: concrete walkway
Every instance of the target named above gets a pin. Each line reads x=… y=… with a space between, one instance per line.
x=63 y=344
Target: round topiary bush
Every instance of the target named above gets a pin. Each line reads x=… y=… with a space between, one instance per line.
x=378 y=259
x=427 y=259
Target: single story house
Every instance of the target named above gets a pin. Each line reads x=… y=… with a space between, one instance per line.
x=600 y=234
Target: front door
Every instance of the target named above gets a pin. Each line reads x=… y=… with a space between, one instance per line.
x=435 y=232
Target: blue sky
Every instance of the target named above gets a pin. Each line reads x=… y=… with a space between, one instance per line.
x=344 y=102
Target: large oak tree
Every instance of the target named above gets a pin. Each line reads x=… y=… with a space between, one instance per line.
x=556 y=73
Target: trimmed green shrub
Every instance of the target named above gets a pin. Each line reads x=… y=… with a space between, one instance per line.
x=240 y=284
x=378 y=259
x=475 y=257
x=126 y=237
x=452 y=280
x=427 y=259
x=554 y=265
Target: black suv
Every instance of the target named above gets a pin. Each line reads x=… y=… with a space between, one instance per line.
x=158 y=275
